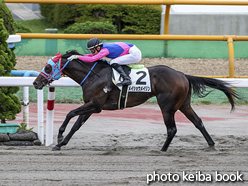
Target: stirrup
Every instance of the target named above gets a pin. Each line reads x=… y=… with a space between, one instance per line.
x=125 y=82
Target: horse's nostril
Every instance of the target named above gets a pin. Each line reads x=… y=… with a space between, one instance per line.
x=35 y=85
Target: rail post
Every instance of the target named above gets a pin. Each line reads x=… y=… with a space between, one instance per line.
x=51 y=44
x=26 y=106
x=167 y=19
x=231 y=56
x=50 y=116
x=40 y=113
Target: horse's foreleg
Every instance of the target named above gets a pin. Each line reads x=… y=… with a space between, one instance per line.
x=80 y=121
x=62 y=128
x=192 y=116
x=84 y=113
x=82 y=110
x=171 y=128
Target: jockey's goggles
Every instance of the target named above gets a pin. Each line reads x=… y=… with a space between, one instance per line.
x=92 y=50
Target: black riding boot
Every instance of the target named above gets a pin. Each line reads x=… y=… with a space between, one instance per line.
x=126 y=78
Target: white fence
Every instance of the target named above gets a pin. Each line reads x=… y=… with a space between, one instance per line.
x=67 y=82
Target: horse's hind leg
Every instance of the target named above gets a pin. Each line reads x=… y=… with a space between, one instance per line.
x=187 y=110
x=169 y=121
x=168 y=116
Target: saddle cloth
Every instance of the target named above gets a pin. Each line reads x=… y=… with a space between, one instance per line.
x=140 y=80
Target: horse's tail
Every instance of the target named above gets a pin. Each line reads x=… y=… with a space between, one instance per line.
x=199 y=85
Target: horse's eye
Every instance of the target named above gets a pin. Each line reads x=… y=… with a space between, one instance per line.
x=48 y=69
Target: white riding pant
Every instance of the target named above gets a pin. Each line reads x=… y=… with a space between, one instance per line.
x=133 y=56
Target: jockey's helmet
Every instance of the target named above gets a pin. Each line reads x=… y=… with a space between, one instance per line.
x=93 y=43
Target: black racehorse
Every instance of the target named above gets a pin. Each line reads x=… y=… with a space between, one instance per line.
x=172 y=88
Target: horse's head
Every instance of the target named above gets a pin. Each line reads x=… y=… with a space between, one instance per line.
x=52 y=71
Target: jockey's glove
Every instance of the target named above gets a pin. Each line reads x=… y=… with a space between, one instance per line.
x=73 y=57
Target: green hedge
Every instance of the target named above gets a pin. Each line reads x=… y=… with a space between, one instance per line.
x=9 y=103
x=91 y=28
x=135 y=19
x=47 y=10
x=20 y=28
x=8 y=20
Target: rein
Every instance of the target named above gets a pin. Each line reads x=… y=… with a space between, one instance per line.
x=91 y=70
x=88 y=67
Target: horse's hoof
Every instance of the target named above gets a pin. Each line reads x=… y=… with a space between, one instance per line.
x=210 y=149
x=211 y=144
x=163 y=149
x=56 y=148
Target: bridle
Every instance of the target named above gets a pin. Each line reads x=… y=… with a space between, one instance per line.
x=56 y=71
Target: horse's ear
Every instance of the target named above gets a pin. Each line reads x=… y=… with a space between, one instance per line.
x=57 y=57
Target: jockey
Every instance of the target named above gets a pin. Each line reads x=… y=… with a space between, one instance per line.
x=120 y=53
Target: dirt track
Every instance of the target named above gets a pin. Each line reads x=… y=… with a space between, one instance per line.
x=207 y=67
x=123 y=165
x=123 y=148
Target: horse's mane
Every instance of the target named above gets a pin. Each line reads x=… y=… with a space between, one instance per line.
x=68 y=53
